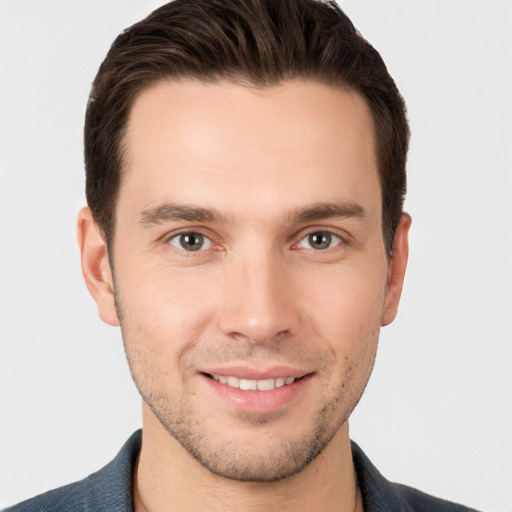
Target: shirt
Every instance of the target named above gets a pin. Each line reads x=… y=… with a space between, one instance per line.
x=110 y=489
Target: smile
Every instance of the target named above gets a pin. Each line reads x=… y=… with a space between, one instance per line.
x=255 y=385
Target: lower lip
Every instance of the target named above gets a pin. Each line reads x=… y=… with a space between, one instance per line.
x=258 y=401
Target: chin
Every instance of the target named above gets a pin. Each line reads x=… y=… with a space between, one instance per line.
x=262 y=452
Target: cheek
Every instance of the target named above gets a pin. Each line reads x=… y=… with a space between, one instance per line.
x=347 y=316
x=165 y=314
x=349 y=305
x=161 y=296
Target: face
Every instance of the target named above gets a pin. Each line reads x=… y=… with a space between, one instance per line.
x=251 y=277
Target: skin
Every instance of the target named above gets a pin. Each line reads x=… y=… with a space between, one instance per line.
x=261 y=175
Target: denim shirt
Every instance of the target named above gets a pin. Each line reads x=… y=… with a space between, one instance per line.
x=110 y=489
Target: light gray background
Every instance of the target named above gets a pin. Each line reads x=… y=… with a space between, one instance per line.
x=437 y=413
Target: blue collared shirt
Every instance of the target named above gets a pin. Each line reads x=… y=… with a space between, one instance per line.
x=110 y=489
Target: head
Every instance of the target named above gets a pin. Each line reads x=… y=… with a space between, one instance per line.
x=245 y=167
x=257 y=43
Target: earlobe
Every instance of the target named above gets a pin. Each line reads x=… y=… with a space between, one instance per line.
x=397 y=267
x=95 y=266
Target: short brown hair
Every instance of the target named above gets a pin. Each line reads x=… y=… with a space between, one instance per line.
x=253 y=42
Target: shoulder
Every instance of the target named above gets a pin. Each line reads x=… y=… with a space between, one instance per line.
x=109 y=489
x=380 y=495
x=67 y=498
x=420 y=502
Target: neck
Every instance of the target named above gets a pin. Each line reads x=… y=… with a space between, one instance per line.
x=167 y=473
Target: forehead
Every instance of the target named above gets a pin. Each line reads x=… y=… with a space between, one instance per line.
x=300 y=141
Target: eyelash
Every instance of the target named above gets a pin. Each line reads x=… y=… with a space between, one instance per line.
x=205 y=239
x=328 y=236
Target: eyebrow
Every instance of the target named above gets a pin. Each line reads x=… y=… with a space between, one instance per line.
x=313 y=212
x=173 y=212
x=319 y=211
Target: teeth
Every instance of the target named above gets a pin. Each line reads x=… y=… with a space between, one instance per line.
x=234 y=382
x=248 y=384
x=266 y=384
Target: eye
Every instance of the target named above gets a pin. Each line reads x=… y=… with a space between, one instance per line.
x=190 y=242
x=320 y=240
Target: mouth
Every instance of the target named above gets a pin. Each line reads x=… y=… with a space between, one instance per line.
x=253 y=384
x=259 y=392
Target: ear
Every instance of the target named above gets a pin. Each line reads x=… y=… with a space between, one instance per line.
x=396 y=271
x=95 y=266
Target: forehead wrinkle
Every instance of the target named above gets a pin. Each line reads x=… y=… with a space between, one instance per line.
x=173 y=212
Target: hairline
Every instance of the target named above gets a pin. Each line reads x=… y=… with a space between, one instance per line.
x=255 y=86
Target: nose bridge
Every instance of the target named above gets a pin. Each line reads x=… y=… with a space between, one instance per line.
x=258 y=303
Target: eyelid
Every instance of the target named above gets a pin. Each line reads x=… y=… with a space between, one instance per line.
x=334 y=242
x=166 y=239
x=343 y=236
x=206 y=242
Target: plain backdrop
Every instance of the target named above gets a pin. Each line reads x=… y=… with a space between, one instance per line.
x=437 y=413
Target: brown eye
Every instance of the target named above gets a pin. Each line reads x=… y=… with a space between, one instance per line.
x=190 y=242
x=320 y=241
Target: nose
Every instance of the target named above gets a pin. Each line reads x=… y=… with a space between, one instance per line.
x=258 y=300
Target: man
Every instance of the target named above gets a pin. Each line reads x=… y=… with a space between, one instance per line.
x=245 y=169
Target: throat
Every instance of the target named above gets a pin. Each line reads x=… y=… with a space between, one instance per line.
x=166 y=474
x=138 y=504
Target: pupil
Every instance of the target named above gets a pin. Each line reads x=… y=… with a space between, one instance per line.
x=191 y=241
x=320 y=240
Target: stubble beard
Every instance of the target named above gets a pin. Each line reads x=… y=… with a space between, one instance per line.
x=270 y=463
x=260 y=461
x=249 y=463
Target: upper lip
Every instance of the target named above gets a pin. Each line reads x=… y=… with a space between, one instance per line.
x=245 y=372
